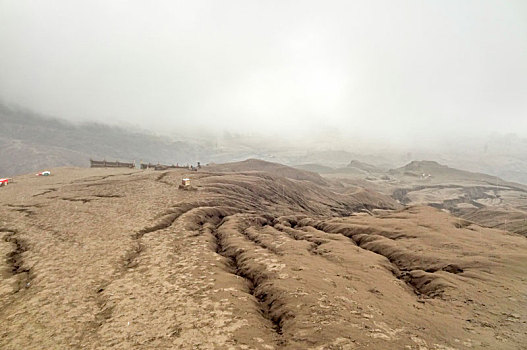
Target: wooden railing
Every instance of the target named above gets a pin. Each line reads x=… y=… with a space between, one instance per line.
x=163 y=167
x=105 y=164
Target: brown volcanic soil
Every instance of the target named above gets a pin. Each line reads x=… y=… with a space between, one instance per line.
x=273 y=168
x=479 y=198
x=120 y=259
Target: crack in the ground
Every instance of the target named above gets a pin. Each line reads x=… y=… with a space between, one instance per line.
x=91 y=179
x=45 y=192
x=24 y=209
x=165 y=222
x=130 y=258
x=161 y=177
x=15 y=258
x=83 y=200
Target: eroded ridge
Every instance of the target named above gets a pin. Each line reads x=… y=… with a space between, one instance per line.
x=418 y=271
x=244 y=263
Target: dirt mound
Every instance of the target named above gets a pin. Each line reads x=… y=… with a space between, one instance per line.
x=261 y=191
x=269 y=167
x=364 y=166
x=315 y=168
x=108 y=259
x=432 y=169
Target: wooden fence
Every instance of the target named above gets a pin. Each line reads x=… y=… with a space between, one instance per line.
x=163 y=167
x=105 y=164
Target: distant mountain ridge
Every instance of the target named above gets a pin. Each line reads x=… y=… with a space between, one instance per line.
x=30 y=142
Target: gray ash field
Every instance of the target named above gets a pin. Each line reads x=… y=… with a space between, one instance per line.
x=257 y=257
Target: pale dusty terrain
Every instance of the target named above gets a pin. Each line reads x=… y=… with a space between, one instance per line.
x=480 y=198
x=121 y=259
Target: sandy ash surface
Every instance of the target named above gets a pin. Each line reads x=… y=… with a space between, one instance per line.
x=121 y=259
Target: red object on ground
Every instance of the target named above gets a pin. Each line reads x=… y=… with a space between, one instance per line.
x=4 y=182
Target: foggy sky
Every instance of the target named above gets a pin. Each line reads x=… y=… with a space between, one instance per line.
x=393 y=69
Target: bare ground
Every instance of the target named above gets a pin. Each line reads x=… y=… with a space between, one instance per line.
x=120 y=259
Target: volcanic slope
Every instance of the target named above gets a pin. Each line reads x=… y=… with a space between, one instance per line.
x=486 y=200
x=121 y=259
x=270 y=167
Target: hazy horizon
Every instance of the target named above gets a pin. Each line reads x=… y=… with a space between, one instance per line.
x=381 y=71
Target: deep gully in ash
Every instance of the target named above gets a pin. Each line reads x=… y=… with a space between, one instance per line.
x=280 y=226
x=165 y=220
x=284 y=226
x=256 y=236
x=416 y=271
x=217 y=218
x=224 y=229
x=222 y=217
x=213 y=219
x=15 y=258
